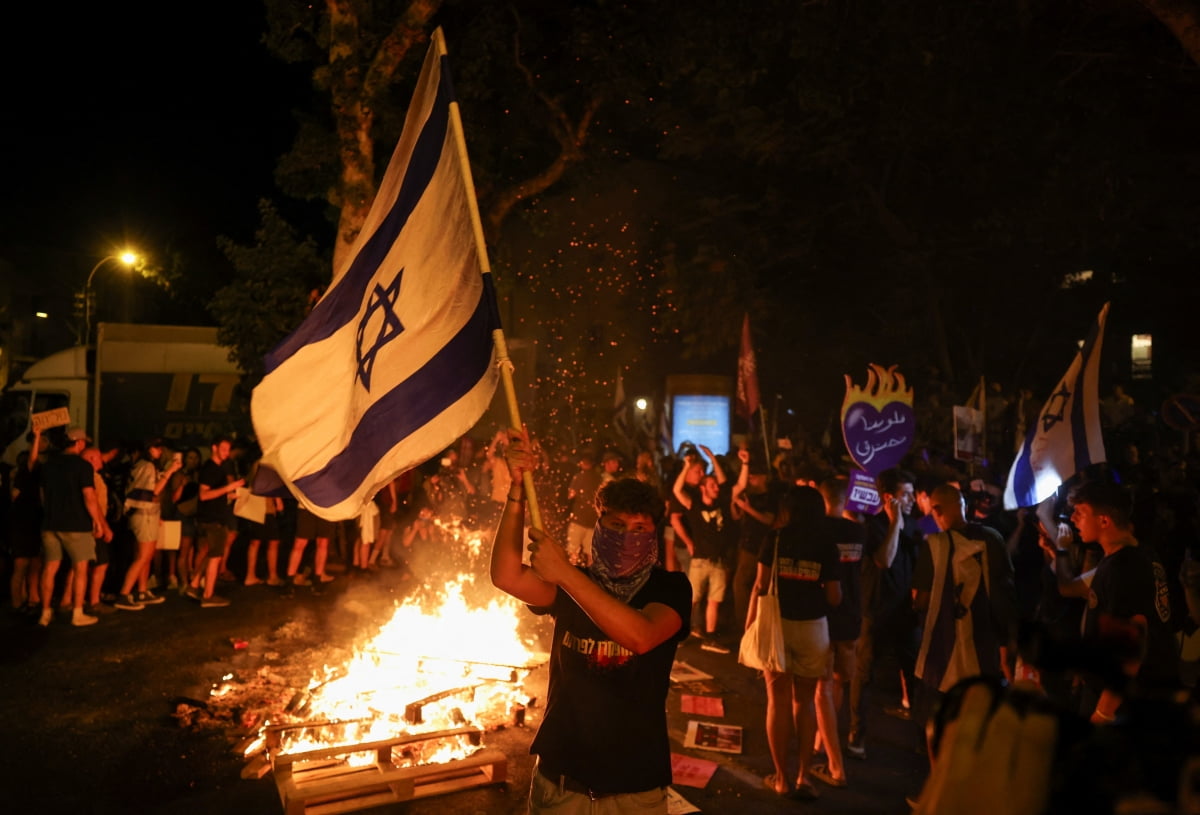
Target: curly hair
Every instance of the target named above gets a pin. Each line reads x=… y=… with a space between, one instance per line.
x=631 y=496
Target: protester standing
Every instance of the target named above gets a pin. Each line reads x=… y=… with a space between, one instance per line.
x=603 y=744
x=71 y=523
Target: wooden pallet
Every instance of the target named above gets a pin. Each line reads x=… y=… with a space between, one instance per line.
x=318 y=782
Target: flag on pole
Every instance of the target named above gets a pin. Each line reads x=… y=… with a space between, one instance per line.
x=665 y=445
x=397 y=359
x=620 y=419
x=1066 y=438
x=747 y=376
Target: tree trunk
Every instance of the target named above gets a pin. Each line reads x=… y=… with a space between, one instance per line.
x=356 y=91
x=1182 y=18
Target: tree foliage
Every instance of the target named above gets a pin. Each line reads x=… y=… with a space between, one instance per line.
x=280 y=277
x=873 y=182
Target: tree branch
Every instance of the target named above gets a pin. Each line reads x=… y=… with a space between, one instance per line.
x=1182 y=19
x=570 y=135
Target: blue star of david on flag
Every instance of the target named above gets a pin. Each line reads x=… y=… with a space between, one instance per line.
x=1067 y=438
x=1055 y=407
x=334 y=426
x=381 y=300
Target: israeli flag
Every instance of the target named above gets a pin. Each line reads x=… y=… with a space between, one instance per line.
x=1066 y=438
x=397 y=360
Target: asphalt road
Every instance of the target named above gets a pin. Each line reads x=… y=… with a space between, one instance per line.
x=90 y=722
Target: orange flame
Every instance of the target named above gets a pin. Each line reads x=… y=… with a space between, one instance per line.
x=441 y=662
x=884 y=386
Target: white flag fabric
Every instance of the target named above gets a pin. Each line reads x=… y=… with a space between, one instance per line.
x=1066 y=437
x=397 y=360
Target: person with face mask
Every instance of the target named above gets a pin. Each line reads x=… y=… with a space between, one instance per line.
x=617 y=624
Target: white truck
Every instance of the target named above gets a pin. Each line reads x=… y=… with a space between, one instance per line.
x=138 y=382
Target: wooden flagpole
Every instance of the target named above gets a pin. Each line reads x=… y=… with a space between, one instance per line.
x=502 y=358
x=762 y=420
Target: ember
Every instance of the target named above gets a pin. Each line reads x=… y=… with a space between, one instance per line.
x=413 y=677
x=449 y=665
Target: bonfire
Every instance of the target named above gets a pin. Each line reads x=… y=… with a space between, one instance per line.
x=448 y=665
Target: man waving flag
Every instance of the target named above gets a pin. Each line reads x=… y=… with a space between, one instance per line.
x=1066 y=438
x=398 y=359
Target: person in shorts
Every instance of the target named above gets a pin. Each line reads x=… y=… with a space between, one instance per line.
x=99 y=568
x=215 y=522
x=808 y=587
x=311 y=527
x=711 y=540
x=72 y=520
x=144 y=512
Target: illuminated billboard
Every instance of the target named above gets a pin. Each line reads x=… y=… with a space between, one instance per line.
x=702 y=419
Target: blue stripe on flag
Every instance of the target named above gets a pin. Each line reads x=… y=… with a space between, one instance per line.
x=1023 y=480
x=409 y=406
x=342 y=303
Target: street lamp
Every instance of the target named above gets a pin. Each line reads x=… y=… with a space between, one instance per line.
x=130 y=259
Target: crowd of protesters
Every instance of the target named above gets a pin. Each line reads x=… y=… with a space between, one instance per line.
x=1092 y=597
x=939 y=585
x=186 y=521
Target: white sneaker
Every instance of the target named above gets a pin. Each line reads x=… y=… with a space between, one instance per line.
x=79 y=618
x=47 y=616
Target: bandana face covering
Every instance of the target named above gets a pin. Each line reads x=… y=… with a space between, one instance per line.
x=621 y=561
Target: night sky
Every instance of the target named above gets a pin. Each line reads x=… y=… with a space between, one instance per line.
x=158 y=126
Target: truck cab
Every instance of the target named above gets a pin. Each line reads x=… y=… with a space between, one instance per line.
x=57 y=381
x=138 y=382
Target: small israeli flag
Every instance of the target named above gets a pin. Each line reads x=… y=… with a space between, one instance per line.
x=1066 y=438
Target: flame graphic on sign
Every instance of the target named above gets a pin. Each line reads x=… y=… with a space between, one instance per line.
x=884 y=386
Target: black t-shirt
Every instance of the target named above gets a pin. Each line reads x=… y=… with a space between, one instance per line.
x=25 y=512
x=605 y=724
x=676 y=508
x=808 y=559
x=845 y=620
x=752 y=533
x=712 y=527
x=888 y=592
x=1130 y=582
x=64 y=477
x=217 y=510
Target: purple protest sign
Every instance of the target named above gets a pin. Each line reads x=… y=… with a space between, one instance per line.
x=861 y=493
x=878 y=422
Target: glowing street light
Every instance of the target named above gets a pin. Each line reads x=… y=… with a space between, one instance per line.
x=129 y=259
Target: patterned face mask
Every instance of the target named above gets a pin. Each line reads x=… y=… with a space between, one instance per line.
x=617 y=554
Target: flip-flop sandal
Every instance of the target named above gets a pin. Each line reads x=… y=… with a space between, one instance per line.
x=804 y=792
x=822 y=774
x=769 y=783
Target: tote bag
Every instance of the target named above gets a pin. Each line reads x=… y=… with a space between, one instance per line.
x=762 y=645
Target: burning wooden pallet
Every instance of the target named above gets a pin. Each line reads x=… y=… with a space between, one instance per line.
x=320 y=782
